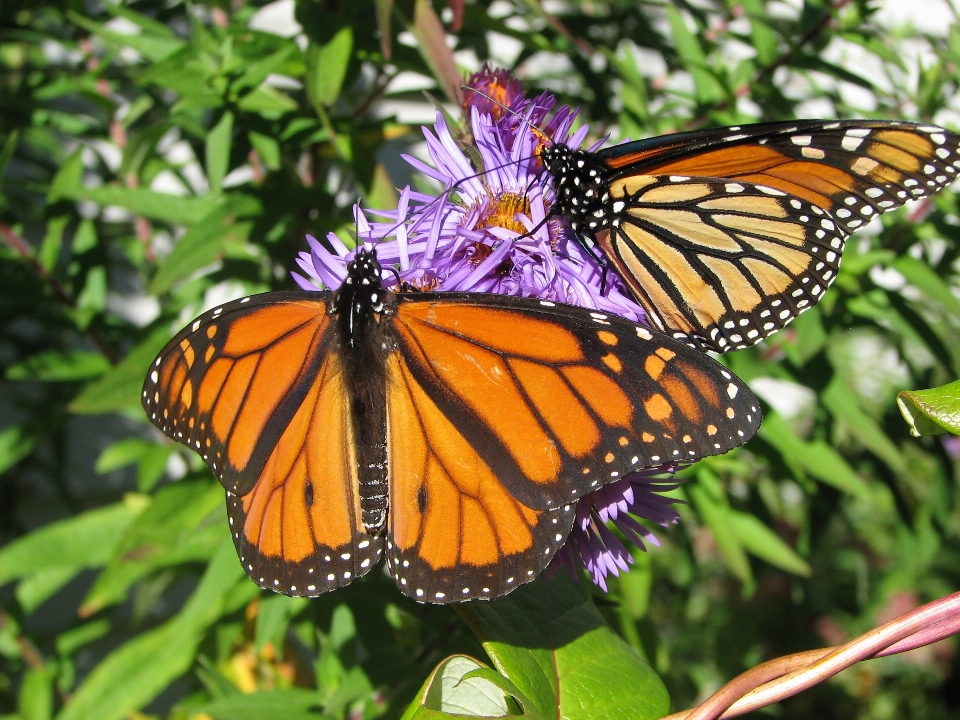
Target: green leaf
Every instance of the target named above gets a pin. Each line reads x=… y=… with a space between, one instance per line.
x=205 y=242
x=15 y=444
x=49 y=251
x=54 y=365
x=170 y=531
x=711 y=502
x=72 y=640
x=67 y=183
x=120 y=388
x=267 y=148
x=36 y=694
x=219 y=140
x=816 y=458
x=707 y=88
x=932 y=412
x=763 y=542
x=843 y=404
x=550 y=641
x=255 y=73
x=39 y=586
x=266 y=100
x=152 y=205
x=923 y=277
x=448 y=692
x=9 y=148
x=154 y=47
x=85 y=237
x=83 y=541
x=274 y=618
x=327 y=67
x=134 y=674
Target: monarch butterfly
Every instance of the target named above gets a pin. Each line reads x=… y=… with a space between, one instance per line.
x=724 y=236
x=456 y=430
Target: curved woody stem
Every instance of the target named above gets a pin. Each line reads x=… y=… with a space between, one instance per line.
x=783 y=677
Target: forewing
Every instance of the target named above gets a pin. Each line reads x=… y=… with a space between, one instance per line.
x=457 y=532
x=557 y=400
x=720 y=264
x=853 y=169
x=255 y=387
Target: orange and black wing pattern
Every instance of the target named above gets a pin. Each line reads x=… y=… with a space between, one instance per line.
x=255 y=387
x=699 y=220
x=502 y=412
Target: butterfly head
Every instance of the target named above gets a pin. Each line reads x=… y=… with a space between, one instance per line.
x=581 y=186
x=362 y=296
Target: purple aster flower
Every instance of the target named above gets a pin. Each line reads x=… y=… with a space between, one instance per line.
x=491 y=231
x=592 y=545
x=496 y=91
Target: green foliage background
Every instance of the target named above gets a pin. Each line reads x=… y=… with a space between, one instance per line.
x=158 y=158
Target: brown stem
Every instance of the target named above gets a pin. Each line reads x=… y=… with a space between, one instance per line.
x=778 y=679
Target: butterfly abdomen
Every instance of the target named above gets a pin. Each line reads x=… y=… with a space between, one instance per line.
x=365 y=342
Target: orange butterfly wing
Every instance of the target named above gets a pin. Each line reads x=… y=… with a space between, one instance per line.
x=256 y=388
x=853 y=169
x=503 y=411
x=726 y=235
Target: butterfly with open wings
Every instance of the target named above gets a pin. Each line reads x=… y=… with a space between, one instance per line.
x=453 y=432
x=725 y=235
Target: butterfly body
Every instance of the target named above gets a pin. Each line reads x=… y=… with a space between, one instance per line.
x=726 y=235
x=452 y=432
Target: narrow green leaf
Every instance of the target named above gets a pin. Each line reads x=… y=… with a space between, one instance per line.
x=9 y=147
x=763 y=37
x=932 y=412
x=134 y=674
x=707 y=88
x=67 y=183
x=120 y=454
x=255 y=73
x=36 y=694
x=120 y=388
x=203 y=244
x=38 y=587
x=152 y=46
x=550 y=641
x=713 y=508
x=85 y=237
x=72 y=640
x=86 y=540
x=219 y=142
x=763 y=542
x=267 y=148
x=57 y=366
x=274 y=618
x=15 y=444
x=923 y=277
x=49 y=251
x=152 y=205
x=174 y=529
x=327 y=67
x=842 y=403
x=816 y=458
x=266 y=100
